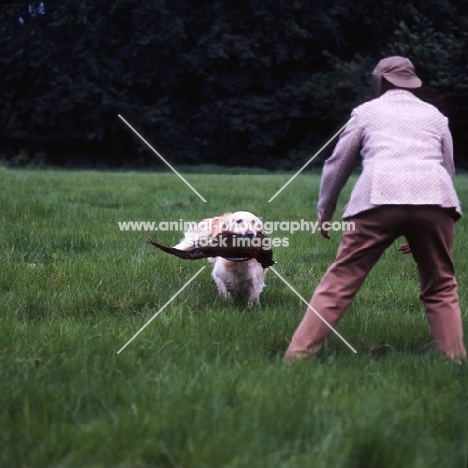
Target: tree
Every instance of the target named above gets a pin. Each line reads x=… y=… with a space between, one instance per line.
x=244 y=83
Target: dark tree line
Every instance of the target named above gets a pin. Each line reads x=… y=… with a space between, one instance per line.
x=227 y=82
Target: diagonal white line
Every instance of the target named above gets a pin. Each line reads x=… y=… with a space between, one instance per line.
x=162 y=159
x=310 y=160
x=312 y=309
x=161 y=309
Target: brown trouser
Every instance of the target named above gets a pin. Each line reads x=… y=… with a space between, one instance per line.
x=429 y=231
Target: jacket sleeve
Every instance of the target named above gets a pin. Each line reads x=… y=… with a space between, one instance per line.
x=447 y=150
x=338 y=167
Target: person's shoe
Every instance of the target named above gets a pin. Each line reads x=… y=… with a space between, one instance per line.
x=291 y=358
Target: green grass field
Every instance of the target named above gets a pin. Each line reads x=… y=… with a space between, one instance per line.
x=204 y=384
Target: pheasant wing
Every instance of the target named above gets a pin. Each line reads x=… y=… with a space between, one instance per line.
x=226 y=245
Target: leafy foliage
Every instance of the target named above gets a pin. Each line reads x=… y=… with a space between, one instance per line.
x=237 y=83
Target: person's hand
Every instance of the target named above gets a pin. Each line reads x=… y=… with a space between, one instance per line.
x=325 y=233
x=404 y=249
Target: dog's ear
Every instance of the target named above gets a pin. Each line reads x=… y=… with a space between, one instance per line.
x=218 y=223
x=262 y=231
x=257 y=222
x=215 y=226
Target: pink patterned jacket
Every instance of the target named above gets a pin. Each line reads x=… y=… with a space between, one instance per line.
x=407 y=157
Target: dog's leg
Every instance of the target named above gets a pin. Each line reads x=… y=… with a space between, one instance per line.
x=222 y=287
x=256 y=287
x=223 y=290
x=253 y=297
x=253 y=300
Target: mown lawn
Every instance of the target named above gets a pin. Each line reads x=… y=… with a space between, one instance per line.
x=204 y=384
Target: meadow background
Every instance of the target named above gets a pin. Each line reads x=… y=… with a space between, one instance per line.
x=204 y=384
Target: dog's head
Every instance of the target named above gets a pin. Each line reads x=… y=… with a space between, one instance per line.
x=240 y=222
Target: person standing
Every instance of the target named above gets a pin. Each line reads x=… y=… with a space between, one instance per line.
x=405 y=189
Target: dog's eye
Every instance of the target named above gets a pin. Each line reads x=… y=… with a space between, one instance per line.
x=239 y=221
